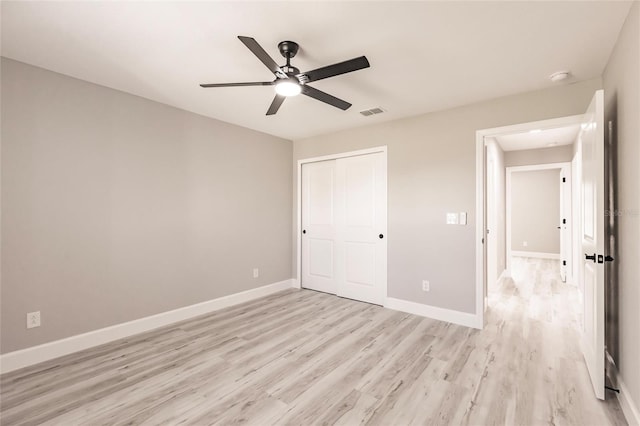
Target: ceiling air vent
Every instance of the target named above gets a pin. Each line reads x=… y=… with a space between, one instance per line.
x=372 y=111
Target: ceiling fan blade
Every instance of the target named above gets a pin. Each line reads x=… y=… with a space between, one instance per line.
x=257 y=50
x=257 y=83
x=324 y=97
x=275 y=105
x=336 y=69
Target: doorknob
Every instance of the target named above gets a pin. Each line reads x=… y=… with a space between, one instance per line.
x=592 y=257
x=381 y=236
x=304 y=231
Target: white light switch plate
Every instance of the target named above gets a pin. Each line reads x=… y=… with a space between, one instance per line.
x=463 y=218
x=452 y=218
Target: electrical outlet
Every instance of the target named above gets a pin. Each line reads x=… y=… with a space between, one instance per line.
x=525 y=244
x=33 y=319
x=256 y=272
x=425 y=285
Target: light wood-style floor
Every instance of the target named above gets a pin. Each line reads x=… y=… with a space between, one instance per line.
x=306 y=358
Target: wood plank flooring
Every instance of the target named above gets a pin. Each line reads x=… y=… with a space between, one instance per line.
x=308 y=358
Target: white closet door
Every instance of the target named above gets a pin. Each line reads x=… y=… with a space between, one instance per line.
x=361 y=209
x=319 y=227
x=344 y=219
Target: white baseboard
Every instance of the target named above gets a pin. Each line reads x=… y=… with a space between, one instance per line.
x=47 y=351
x=629 y=408
x=536 y=254
x=441 y=314
x=295 y=283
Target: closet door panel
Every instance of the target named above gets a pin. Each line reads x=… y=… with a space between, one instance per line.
x=361 y=193
x=319 y=226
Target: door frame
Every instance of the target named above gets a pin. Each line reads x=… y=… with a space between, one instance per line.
x=563 y=167
x=379 y=149
x=480 y=192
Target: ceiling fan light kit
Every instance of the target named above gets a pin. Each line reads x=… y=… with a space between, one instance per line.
x=290 y=81
x=288 y=87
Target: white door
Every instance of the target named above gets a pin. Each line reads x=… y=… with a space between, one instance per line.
x=344 y=216
x=319 y=226
x=565 y=224
x=362 y=218
x=592 y=236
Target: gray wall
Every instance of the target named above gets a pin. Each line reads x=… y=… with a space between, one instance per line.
x=535 y=211
x=527 y=157
x=622 y=107
x=431 y=171
x=116 y=207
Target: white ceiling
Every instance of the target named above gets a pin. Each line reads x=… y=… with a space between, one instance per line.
x=539 y=138
x=424 y=56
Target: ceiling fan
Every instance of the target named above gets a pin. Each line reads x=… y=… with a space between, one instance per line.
x=290 y=81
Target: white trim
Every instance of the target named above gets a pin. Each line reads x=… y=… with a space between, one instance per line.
x=481 y=302
x=383 y=149
x=536 y=254
x=564 y=166
x=536 y=167
x=629 y=408
x=47 y=351
x=440 y=314
x=504 y=274
x=576 y=218
x=480 y=166
x=298 y=278
x=337 y=155
x=631 y=412
x=532 y=125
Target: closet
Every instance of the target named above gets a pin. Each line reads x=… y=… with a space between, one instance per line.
x=344 y=221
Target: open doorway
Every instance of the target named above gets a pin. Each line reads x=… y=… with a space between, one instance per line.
x=578 y=310
x=539 y=215
x=532 y=161
x=548 y=147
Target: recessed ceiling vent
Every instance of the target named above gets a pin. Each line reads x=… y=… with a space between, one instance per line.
x=372 y=111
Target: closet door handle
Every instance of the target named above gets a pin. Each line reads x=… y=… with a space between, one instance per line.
x=381 y=236
x=304 y=231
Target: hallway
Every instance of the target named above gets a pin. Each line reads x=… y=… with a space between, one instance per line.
x=539 y=317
